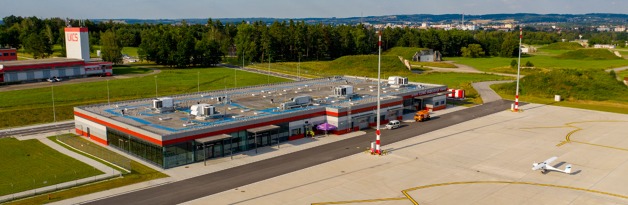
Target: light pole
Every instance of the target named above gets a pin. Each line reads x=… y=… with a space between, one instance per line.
x=299 y=69
x=379 y=70
x=108 y=102
x=156 y=87
x=268 y=74
x=54 y=114
x=198 y=82
x=516 y=108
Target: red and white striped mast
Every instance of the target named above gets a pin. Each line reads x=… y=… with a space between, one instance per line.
x=516 y=108
x=379 y=68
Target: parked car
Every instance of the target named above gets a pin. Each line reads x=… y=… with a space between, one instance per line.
x=393 y=124
x=54 y=79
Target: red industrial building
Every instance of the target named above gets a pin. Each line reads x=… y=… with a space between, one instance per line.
x=77 y=63
x=8 y=54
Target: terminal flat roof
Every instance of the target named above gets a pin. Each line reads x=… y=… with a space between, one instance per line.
x=243 y=104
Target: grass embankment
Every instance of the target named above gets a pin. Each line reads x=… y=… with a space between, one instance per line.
x=22 y=107
x=588 y=89
x=563 y=46
x=589 y=54
x=139 y=173
x=30 y=164
x=358 y=65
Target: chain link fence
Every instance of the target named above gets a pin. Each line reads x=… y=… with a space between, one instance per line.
x=95 y=150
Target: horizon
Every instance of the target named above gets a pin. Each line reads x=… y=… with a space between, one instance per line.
x=290 y=9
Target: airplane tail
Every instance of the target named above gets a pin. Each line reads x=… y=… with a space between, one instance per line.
x=568 y=169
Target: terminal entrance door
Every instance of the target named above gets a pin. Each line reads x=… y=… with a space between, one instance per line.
x=263 y=139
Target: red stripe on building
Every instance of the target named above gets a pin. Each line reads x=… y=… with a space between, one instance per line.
x=43 y=65
x=92 y=136
x=121 y=129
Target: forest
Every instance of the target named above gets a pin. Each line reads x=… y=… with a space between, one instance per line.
x=185 y=45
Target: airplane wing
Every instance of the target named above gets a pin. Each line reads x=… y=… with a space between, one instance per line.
x=550 y=160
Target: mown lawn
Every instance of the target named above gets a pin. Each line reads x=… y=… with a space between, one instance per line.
x=125 y=69
x=30 y=164
x=493 y=64
x=139 y=173
x=31 y=106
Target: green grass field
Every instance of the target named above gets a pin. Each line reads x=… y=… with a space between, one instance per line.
x=139 y=173
x=30 y=164
x=494 y=64
x=32 y=106
x=131 y=51
x=125 y=69
x=589 y=89
x=622 y=74
x=358 y=65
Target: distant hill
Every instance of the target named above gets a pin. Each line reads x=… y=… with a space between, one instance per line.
x=592 y=18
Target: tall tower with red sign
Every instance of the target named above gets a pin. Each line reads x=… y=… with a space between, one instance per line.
x=77 y=43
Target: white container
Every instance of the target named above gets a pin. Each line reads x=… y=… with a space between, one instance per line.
x=557 y=98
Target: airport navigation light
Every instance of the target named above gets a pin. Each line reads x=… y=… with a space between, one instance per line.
x=516 y=107
x=379 y=66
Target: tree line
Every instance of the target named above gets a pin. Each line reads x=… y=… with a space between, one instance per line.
x=184 y=44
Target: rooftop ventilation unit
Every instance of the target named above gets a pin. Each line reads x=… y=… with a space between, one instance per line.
x=397 y=81
x=203 y=111
x=299 y=101
x=163 y=105
x=345 y=91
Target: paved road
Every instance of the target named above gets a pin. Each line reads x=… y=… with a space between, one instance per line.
x=197 y=187
x=485 y=91
x=280 y=75
x=38 y=129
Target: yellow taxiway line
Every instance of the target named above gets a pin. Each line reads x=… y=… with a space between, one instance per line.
x=408 y=197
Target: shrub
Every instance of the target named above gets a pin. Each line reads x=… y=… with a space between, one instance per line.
x=529 y=64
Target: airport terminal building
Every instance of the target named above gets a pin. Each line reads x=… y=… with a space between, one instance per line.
x=183 y=129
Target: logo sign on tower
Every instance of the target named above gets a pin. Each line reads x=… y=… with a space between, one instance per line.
x=72 y=37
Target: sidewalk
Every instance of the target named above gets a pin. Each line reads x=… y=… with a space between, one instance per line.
x=108 y=173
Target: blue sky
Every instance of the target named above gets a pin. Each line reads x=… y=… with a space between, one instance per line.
x=154 y=9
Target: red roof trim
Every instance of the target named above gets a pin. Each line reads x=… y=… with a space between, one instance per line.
x=75 y=29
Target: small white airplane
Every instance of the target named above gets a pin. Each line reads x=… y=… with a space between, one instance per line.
x=545 y=167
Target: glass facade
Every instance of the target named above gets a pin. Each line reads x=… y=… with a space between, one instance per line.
x=138 y=147
x=191 y=151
